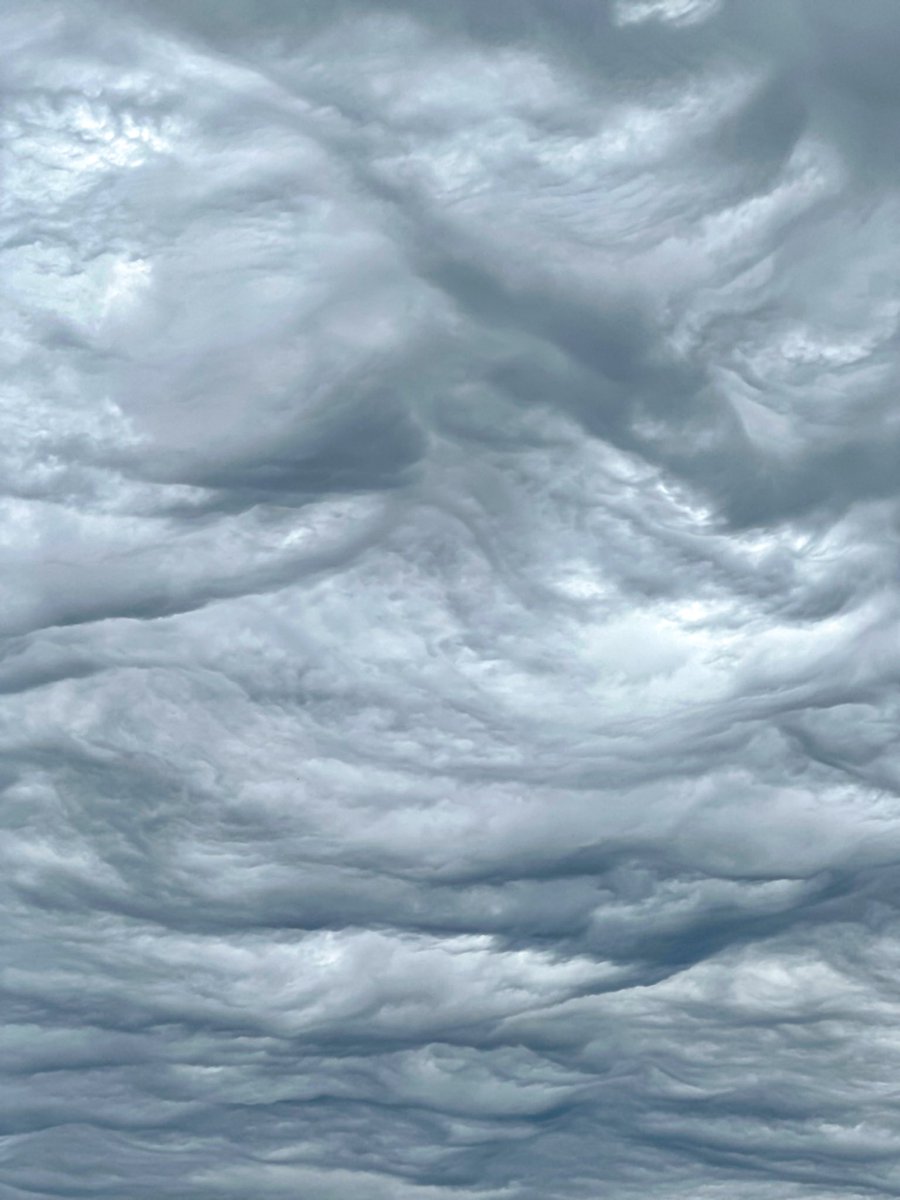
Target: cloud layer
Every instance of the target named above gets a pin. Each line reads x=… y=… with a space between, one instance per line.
x=448 y=692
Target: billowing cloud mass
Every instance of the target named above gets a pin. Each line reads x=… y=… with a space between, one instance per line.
x=450 y=681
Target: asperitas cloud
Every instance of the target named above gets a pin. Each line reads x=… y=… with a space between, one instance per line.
x=449 y=683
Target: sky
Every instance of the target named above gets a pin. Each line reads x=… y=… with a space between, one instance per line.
x=449 y=672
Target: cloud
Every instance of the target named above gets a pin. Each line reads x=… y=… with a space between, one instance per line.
x=448 y=681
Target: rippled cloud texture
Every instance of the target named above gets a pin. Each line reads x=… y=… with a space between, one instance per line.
x=450 y=668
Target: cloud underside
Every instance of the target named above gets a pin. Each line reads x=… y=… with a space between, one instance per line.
x=448 y=690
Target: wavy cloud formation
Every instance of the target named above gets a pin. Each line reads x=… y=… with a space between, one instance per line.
x=449 y=680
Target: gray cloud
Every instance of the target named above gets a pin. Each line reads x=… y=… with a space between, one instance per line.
x=448 y=689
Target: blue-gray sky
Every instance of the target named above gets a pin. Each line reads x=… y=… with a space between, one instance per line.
x=450 y=679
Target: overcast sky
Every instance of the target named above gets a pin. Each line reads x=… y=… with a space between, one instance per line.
x=450 y=679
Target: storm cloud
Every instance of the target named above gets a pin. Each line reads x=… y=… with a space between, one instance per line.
x=449 y=659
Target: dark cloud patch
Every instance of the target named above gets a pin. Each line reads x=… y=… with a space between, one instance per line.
x=448 y=681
